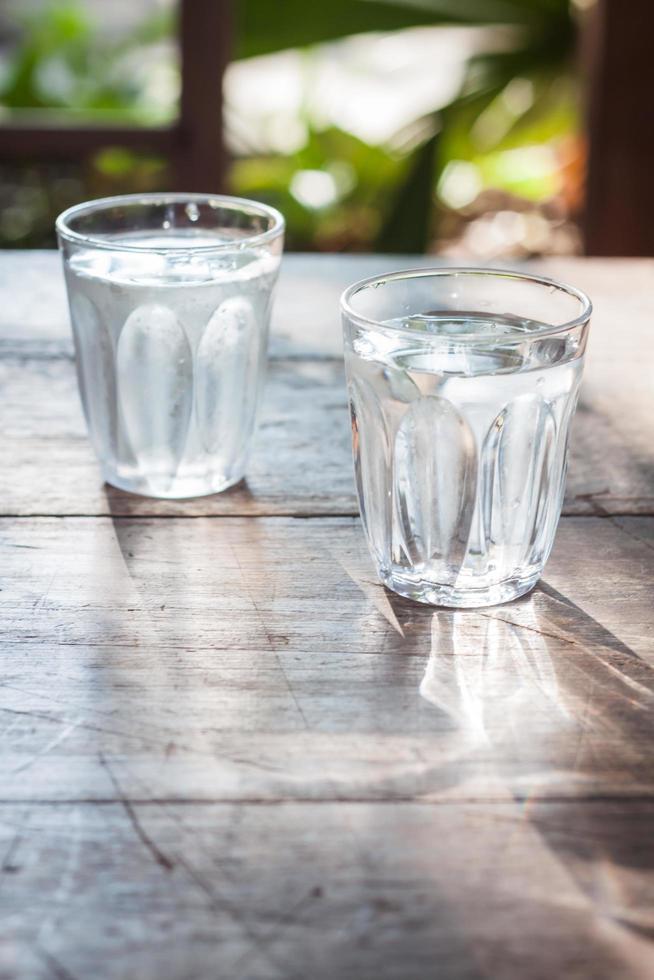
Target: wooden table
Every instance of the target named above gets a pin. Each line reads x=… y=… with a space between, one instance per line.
x=228 y=752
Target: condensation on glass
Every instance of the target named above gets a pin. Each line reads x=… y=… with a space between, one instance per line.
x=462 y=385
x=170 y=299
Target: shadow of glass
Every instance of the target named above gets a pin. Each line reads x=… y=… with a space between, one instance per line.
x=235 y=500
x=555 y=713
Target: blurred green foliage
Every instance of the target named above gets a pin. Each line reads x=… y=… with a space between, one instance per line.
x=391 y=204
x=64 y=61
x=385 y=199
x=263 y=27
x=62 y=66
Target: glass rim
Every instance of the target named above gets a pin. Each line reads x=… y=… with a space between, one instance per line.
x=473 y=336
x=64 y=231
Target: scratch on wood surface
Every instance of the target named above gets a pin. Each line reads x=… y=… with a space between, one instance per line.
x=630 y=534
x=292 y=692
x=8 y=865
x=284 y=919
x=375 y=591
x=161 y=859
x=591 y=498
x=246 y=588
x=9 y=727
x=158 y=743
x=88 y=726
x=267 y=634
x=219 y=904
x=58 y=970
x=608 y=641
x=53 y=743
x=254 y=764
x=532 y=629
x=614 y=519
x=611 y=640
x=41 y=601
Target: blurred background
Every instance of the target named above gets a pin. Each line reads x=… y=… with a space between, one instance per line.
x=486 y=129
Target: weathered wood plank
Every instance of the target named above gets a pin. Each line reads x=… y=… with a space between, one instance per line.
x=300 y=464
x=301 y=460
x=257 y=659
x=326 y=891
x=228 y=751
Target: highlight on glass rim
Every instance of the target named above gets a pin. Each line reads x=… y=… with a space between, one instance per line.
x=326 y=489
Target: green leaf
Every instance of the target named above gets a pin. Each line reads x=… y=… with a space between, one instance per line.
x=408 y=226
x=263 y=26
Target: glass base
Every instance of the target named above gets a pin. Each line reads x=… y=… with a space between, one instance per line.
x=433 y=594
x=179 y=488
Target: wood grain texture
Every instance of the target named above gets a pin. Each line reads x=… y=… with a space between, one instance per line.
x=327 y=891
x=257 y=659
x=301 y=460
x=227 y=751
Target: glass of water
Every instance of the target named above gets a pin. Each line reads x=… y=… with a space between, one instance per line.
x=170 y=298
x=462 y=383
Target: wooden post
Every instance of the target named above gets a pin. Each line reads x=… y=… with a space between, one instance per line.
x=200 y=160
x=619 y=218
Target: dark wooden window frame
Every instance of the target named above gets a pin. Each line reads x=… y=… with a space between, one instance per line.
x=619 y=211
x=193 y=143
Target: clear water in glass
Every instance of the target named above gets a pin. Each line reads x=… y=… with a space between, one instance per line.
x=460 y=449
x=170 y=331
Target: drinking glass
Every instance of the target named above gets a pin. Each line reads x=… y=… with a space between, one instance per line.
x=462 y=385
x=170 y=298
